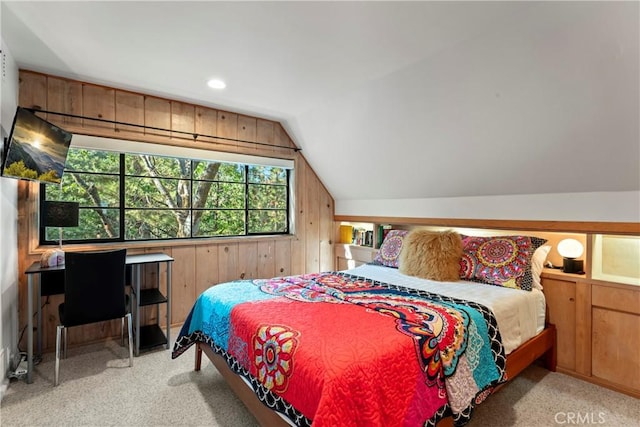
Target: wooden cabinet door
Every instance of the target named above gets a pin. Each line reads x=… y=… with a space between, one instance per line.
x=615 y=344
x=561 y=310
x=616 y=335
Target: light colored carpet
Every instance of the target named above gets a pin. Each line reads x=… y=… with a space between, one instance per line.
x=538 y=397
x=98 y=389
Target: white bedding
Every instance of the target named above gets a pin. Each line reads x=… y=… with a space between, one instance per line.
x=520 y=314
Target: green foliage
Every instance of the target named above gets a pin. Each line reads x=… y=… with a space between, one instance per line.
x=167 y=198
x=221 y=223
x=267 y=175
x=20 y=170
x=153 y=224
x=104 y=162
x=264 y=221
x=267 y=197
x=225 y=195
x=49 y=176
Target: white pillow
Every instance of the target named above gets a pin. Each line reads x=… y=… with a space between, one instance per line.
x=537 y=263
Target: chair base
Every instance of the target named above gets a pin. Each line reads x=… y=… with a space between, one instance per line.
x=61 y=344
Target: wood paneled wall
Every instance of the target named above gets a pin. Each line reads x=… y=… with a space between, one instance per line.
x=198 y=263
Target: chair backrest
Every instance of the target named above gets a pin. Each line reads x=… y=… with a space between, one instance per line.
x=94 y=286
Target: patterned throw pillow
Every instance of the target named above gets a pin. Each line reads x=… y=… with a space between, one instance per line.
x=389 y=252
x=499 y=260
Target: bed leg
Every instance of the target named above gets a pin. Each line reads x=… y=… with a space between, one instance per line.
x=198 y=357
x=550 y=356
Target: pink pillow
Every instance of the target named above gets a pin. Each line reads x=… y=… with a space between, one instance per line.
x=499 y=260
x=389 y=253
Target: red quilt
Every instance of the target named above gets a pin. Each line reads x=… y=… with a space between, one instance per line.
x=340 y=350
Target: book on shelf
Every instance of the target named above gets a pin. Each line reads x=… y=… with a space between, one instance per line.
x=383 y=230
x=368 y=238
x=362 y=237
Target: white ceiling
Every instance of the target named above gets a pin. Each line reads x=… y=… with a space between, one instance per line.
x=386 y=99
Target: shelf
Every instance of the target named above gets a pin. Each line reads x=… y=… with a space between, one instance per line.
x=556 y=273
x=151 y=296
x=151 y=336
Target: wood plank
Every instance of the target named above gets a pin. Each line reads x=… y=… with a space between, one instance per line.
x=32 y=92
x=206 y=267
x=206 y=123
x=163 y=283
x=627 y=300
x=532 y=350
x=183 y=293
x=161 y=269
x=228 y=262
x=227 y=128
x=344 y=264
x=150 y=275
x=265 y=134
x=182 y=119
x=298 y=245
x=129 y=109
x=266 y=259
x=283 y=257
x=64 y=96
x=561 y=306
x=157 y=113
x=328 y=229
x=98 y=102
x=583 y=328
x=281 y=139
x=616 y=340
x=247 y=131
x=247 y=260
x=312 y=208
x=81 y=335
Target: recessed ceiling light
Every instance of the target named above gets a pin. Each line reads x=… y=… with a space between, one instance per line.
x=216 y=84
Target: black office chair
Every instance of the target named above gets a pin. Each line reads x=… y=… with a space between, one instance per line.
x=94 y=291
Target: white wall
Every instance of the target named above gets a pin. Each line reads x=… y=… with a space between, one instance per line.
x=8 y=225
x=537 y=118
x=620 y=206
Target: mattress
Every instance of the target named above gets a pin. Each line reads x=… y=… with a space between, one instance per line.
x=520 y=314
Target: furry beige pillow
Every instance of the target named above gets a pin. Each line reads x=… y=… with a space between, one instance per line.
x=432 y=255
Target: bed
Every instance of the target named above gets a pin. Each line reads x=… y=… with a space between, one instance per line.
x=366 y=346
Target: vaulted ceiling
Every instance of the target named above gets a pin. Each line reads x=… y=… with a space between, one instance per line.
x=386 y=99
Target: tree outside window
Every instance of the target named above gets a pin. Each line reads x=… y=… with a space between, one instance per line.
x=126 y=197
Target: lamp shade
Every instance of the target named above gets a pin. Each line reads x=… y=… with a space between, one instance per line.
x=570 y=248
x=60 y=214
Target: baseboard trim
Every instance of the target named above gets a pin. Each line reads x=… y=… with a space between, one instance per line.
x=601 y=382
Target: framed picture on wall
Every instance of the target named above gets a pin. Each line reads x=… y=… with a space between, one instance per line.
x=35 y=150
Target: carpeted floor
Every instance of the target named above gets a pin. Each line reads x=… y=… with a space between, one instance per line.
x=98 y=389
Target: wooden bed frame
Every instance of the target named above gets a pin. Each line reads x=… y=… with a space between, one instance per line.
x=542 y=345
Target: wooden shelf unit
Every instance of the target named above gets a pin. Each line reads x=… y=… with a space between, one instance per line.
x=598 y=327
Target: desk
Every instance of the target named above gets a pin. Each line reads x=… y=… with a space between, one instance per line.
x=135 y=262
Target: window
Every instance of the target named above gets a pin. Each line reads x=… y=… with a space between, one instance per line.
x=133 y=197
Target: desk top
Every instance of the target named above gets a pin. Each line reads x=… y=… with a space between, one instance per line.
x=131 y=260
x=148 y=258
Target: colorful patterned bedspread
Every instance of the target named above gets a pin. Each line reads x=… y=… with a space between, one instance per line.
x=342 y=350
